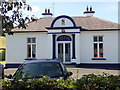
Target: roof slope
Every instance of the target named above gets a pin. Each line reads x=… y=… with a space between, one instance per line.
x=90 y=23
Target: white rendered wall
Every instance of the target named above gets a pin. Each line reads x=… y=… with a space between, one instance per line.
x=118 y=46
x=77 y=48
x=110 y=46
x=16 y=46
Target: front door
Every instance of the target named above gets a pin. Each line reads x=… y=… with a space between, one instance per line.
x=64 y=52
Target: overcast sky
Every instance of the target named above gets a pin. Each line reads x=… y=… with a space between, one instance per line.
x=106 y=10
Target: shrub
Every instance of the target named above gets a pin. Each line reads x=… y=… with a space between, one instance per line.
x=44 y=83
x=86 y=82
x=98 y=82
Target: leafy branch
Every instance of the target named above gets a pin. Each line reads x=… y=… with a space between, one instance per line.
x=12 y=14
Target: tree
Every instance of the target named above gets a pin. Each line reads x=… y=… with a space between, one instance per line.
x=12 y=15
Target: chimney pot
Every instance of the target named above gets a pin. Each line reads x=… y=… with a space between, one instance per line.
x=90 y=8
x=48 y=10
x=45 y=10
x=87 y=8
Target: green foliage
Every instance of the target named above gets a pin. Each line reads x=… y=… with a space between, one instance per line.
x=98 y=82
x=12 y=14
x=44 y=83
x=86 y=82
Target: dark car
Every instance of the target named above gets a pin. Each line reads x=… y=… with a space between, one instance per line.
x=40 y=68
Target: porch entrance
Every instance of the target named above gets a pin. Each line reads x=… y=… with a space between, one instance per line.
x=64 y=52
x=64 y=48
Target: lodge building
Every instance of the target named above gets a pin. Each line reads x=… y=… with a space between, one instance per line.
x=78 y=40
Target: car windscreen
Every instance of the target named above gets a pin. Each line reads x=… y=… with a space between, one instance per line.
x=39 y=69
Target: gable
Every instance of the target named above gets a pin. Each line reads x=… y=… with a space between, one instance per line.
x=63 y=24
x=63 y=21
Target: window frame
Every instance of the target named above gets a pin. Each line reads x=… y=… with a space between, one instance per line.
x=31 y=46
x=98 y=45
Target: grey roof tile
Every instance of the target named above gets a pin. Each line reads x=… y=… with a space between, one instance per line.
x=90 y=23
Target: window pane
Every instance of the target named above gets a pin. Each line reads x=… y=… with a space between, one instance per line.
x=33 y=40
x=64 y=38
x=101 y=50
x=67 y=48
x=95 y=39
x=60 y=48
x=29 y=40
x=100 y=38
x=67 y=52
x=60 y=52
x=33 y=51
x=29 y=51
x=95 y=50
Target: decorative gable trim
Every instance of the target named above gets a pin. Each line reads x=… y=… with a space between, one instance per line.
x=63 y=16
x=63 y=28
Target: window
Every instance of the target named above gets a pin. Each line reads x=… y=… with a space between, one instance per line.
x=31 y=47
x=64 y=38
x=98 y=46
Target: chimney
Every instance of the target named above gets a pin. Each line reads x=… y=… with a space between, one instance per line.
x=47 y=13
x=89 y=12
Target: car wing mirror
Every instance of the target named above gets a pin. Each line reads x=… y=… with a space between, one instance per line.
x=69 y=73
x=9 y=76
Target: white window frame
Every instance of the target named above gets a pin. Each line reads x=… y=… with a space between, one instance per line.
x=31 y=47
x=98 y=49
x=64 y=42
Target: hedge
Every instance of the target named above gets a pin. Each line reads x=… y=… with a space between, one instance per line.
x=98 y=82
x=86 y=82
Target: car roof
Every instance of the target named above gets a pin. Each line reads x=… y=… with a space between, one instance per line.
x=39 y=61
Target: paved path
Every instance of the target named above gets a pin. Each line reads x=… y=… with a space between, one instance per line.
x=77 y=72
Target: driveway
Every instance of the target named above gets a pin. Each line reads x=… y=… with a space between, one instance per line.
x=77 y=72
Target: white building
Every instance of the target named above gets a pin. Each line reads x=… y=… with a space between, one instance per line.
x=82 y=40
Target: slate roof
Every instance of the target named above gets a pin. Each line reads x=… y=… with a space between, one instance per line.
x=90 y=23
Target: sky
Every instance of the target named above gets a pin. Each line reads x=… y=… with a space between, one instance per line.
x=106 y=10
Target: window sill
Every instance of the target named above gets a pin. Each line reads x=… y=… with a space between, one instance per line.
x=31 y=59
x=100 y=58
